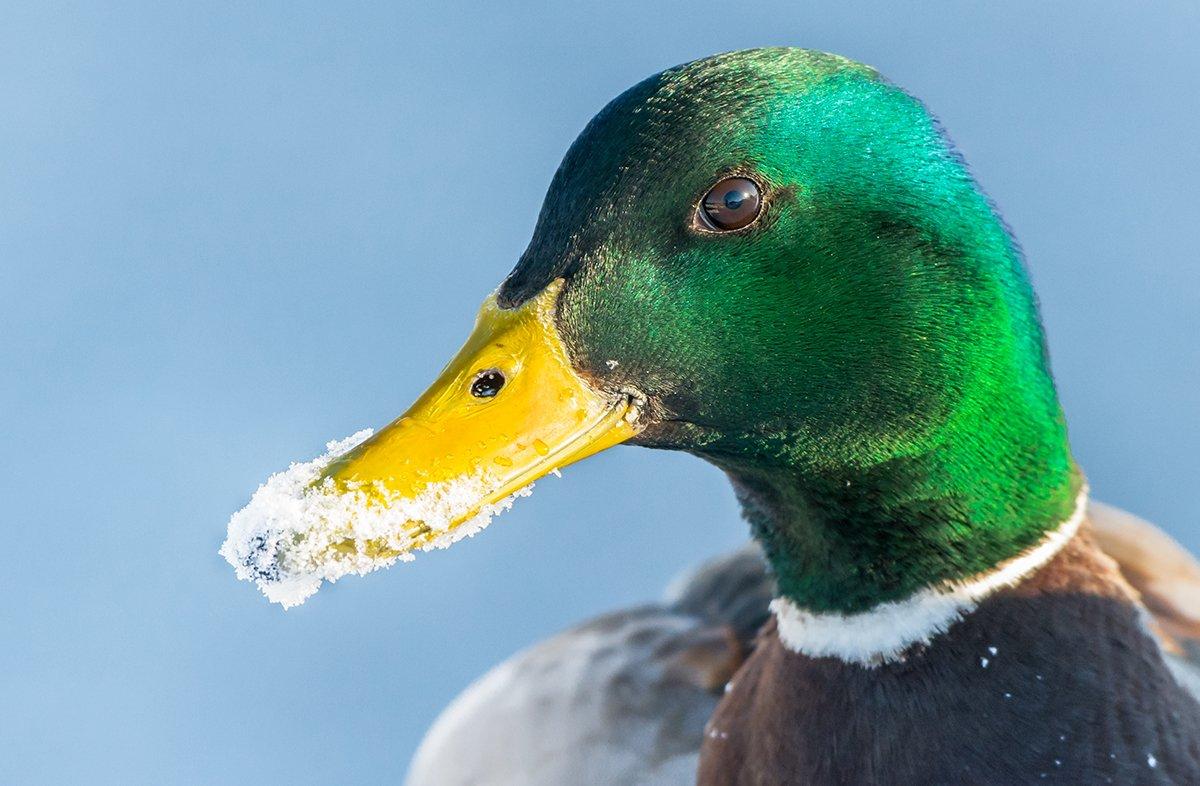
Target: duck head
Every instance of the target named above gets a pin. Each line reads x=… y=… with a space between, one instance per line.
x=773 y=259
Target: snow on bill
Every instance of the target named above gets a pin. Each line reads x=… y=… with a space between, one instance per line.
x=296 y=533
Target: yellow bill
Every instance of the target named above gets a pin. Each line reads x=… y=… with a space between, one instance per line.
x=508 y=409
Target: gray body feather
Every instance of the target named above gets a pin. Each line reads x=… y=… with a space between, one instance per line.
x=621 y=699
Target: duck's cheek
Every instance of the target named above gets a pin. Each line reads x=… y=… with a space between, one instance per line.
x=508 y=409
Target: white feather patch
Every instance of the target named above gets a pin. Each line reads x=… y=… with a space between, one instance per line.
x=882 y=634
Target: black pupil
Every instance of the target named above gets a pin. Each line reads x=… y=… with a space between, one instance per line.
x=487 y=384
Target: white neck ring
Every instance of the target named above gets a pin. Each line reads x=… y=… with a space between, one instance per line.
x=882 y=634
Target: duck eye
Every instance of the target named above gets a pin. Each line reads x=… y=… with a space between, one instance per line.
x=487 y=383
x=731 y=204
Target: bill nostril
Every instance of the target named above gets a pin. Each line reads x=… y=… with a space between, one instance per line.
x=487 y=383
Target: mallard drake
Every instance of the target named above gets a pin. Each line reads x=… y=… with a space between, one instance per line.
x=775 y=260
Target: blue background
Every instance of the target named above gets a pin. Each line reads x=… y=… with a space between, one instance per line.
x=229 y=233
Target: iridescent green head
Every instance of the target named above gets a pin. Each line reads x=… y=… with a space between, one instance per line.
x=864 y=358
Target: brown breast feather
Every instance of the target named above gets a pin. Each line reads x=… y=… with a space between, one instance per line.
x=1075 y=692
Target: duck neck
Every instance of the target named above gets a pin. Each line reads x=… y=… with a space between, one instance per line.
x=847 y=538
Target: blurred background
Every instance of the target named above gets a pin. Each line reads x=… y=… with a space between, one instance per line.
x=230 y=232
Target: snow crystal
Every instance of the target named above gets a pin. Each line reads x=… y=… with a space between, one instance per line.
x=1153 y=762
x=983 y=663
x=296 y=533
